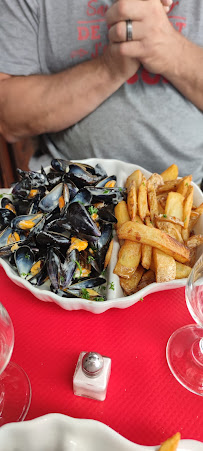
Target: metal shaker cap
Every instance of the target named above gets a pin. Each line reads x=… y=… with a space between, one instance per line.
x=92 y=364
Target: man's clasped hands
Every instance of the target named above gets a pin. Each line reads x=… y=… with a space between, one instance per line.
x=154 y=41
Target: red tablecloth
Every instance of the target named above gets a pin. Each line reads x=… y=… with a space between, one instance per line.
x=144 y=401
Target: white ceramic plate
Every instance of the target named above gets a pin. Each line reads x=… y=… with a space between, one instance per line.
x=56 y=432
x=115 y=297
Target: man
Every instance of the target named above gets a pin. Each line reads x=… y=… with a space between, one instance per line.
x=61 y=77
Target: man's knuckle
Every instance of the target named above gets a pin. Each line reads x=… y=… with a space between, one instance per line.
x=122 y=8
x=119 y=30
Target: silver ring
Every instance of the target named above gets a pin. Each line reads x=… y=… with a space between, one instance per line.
x=129 y=30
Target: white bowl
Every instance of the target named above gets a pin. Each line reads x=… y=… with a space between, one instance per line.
x=56 y=432
x=115 y=298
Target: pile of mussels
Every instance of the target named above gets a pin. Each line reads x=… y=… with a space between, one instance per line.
x=57 y=227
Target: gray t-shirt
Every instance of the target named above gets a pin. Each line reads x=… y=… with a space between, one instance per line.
x=146 y=122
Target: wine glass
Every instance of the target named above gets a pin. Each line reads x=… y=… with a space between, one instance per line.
x=184 y=351
x=15 y=389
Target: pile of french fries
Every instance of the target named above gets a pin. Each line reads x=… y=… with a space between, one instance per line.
x=155 y=229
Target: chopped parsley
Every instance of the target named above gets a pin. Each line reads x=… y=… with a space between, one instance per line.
x=143 y=183
x=90 y=259
x=92 y=210
x=5 y=194
x=164 y=216
x=185 y=219
x=99 y=299
x=106 y=191
x=141 y=299
x=111 y=286
x=27 y=256
x=186 y=184
x=85 y=294
x=79 y=267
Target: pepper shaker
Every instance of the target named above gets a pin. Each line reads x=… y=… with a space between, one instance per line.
x=91 y=375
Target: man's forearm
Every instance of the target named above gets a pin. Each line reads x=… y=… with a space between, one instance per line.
x=186 y=70
x=49 y=103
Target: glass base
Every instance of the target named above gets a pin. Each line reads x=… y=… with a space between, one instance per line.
x=185 y=357
x=15 y=394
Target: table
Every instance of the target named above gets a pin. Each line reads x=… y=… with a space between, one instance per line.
x=144 y=401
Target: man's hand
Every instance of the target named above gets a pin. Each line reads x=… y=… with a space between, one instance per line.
x=154 y=43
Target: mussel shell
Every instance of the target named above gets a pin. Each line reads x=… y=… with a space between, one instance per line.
x=81 y=176
x=100 y=171
x=51 y=201
x=106 y=214
x=52 y=239
x=40 y=278
x=54 y=178
x=102 y=183
x=24 y=259
x=69 y=267
x=88 y=283
x=81 y=221
x=60 y=165
x=73 y=189
x=22 y=189
x=6 y=217
x=8 y=204
x=83 y=196
x=54 y=266
x=26 y=222
x=37 y=179
x=108 y=195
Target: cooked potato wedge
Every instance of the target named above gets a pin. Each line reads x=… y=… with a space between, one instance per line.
x=165 y=266
x=128 y=259
x=154 y=237
x=170 y=173
x=171 y=444
x=130 y=285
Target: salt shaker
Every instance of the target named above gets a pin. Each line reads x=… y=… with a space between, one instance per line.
x=91 y=375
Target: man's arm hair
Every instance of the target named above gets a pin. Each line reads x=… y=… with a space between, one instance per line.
x=36 y=104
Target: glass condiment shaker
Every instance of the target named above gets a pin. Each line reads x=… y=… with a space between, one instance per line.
x=91 y=375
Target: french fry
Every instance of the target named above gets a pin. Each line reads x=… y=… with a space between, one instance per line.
x=142 y=199
x=130 y=285
x=169 y=228
x=165 y=266
x=185 y=234
x=128 y=259
x=121 y=213
x=199 y=209
x=183 y=185
x=182 y=271
x=153 y=205
x=154 y=237
x=194 y=241
x=187 y=206
x=108 y=255
x=171 y=444
x=146 y=256
x=147 y=278
x=174 y=205
x=167 y=218
x=154 y=181
x=170 y=185
x=170 y=173
x=136 y=176
x=132 y=200
x=146 y=249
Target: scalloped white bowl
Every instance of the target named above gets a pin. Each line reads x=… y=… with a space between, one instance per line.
x=57 y=432
x=115 y=298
